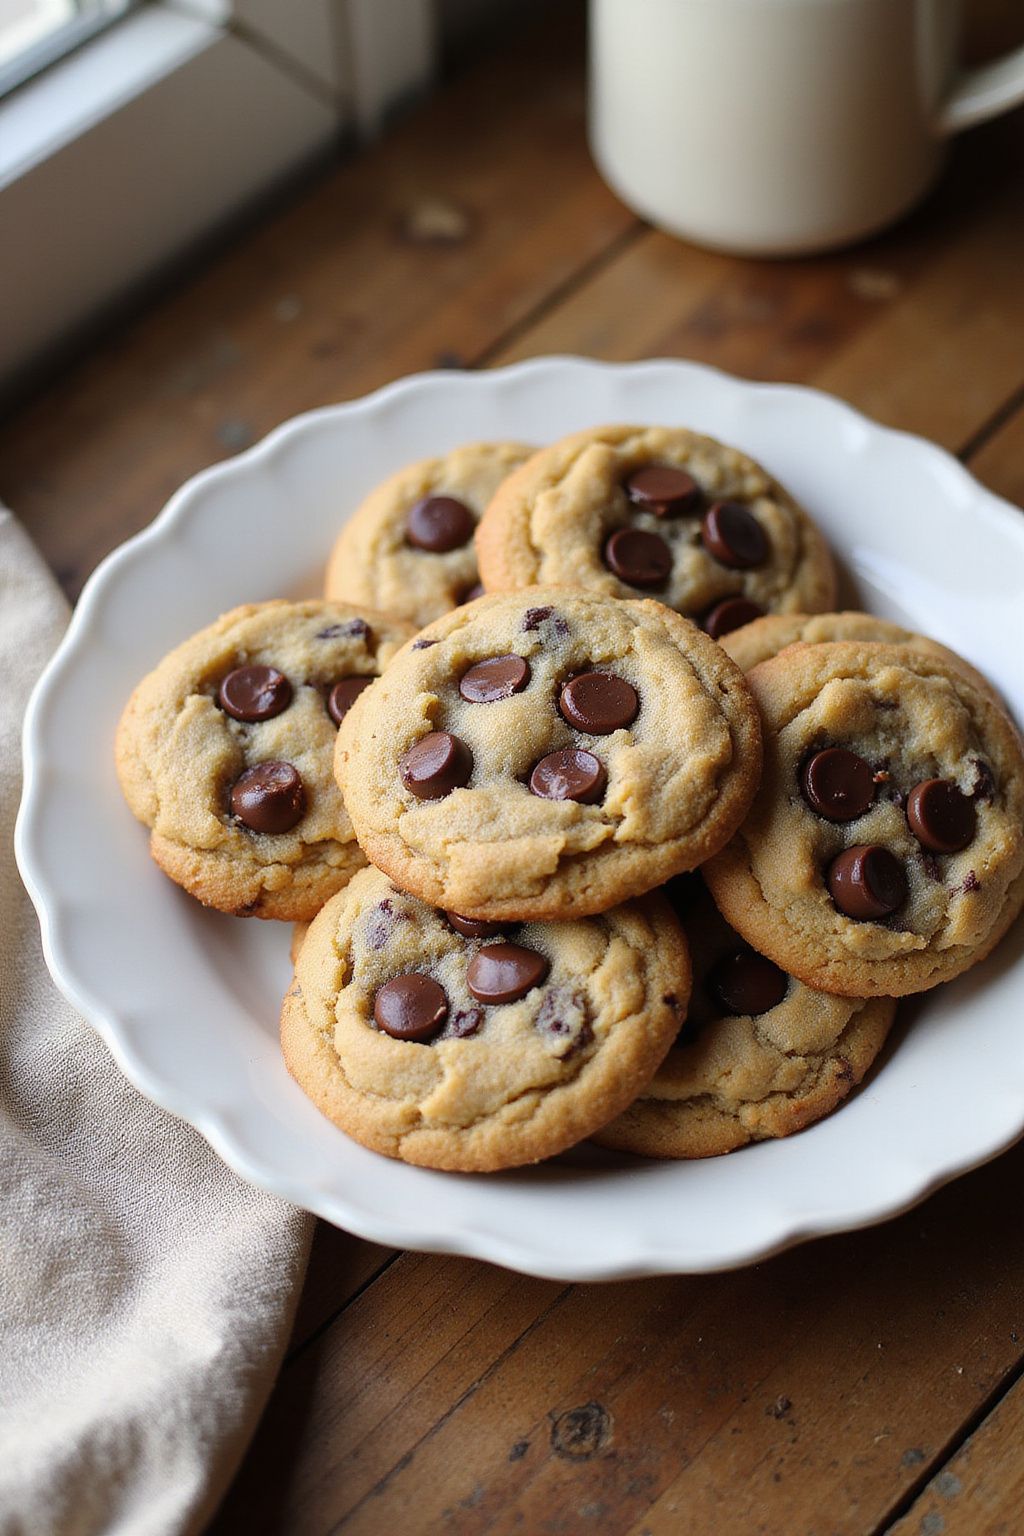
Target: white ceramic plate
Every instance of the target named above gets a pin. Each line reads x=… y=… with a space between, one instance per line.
x=187 y=1000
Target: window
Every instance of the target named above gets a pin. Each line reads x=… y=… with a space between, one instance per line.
x=152 y=132
x=33 y=33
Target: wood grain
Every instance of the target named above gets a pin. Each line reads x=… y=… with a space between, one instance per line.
x=920 y=328
x=819 y=1394
x=980 y=1491
x=830 y=1379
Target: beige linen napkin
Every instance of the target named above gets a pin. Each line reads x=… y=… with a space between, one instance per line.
x=145 y=1292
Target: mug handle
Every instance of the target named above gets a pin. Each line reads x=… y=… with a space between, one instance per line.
x=984 y=92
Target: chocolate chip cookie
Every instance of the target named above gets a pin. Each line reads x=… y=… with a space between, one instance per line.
x=662 y=511
x=884 y=851
x=549 y=753
x=765 y=637
x=760 y=1055
x=408 y=549
x=225 y=752
x=462 y=1045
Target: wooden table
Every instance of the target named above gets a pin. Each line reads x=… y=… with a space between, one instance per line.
x=864 y=1383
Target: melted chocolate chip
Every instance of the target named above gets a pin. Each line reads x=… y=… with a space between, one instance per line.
x=499 y=677
x=733 y=536
x=502 y=973
x=533 y=618
x=970 y=883
x=356 y=628
x=465 y=1022
x=343 y=695
x=571 y=774
x=941 y=818
x=436 y=765
x=410 y=1007
x=254 y=693
x=599 y=703
x=269 y=797
x=837 y=784
x=867 y=882
x=984 y=785
x=438 y=524
x=662 y=489
x=381 y=924
x=731 y=613
x=563 y=1021
x=473 y=927
x=640 y=559
x=423 y=645
x=745 y=983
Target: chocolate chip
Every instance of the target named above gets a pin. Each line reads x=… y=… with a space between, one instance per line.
x=599 y=703
x=571 y=774
x=563 y=1020
x=533 y=618
x=745 y=983
x=472 y=593
x=499 y=677
x=436 y=765
x=410 y=1007
x=984 y=784
x=343 y=695
x=502 y=973
x=269 y=797
x=381 y=924
x=837 y=784
x=438 y=524
x=473 y=927
x=464 y=1023
x=867 y=882
x=662 y=489
x=356 y=628
x=733 y=536
x=423 y=645
x=638 y=558
x=971 y=883
x=254 y=693
x=941 y=817
x=731 y=613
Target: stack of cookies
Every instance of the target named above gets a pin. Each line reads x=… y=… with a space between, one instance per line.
x=544 y=690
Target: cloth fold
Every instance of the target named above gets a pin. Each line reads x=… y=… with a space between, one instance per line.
x=146 y=1293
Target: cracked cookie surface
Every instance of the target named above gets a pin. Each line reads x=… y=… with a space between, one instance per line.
x=559 y=1042
x=695 y=523
x=734 y=1075
x=884 y=851
x=549 y=753
x=408 y=548
x=225 y=752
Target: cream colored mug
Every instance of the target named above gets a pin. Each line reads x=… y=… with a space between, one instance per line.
x=773 y=127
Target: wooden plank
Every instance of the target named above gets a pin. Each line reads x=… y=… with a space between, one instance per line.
x=340 y=1266
x=422 y=1334
x=810 y=1394
x=920 y=328
x=980 y=1492
x=422 y=252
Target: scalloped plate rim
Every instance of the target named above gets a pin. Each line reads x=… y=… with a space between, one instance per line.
x=914 y=1182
